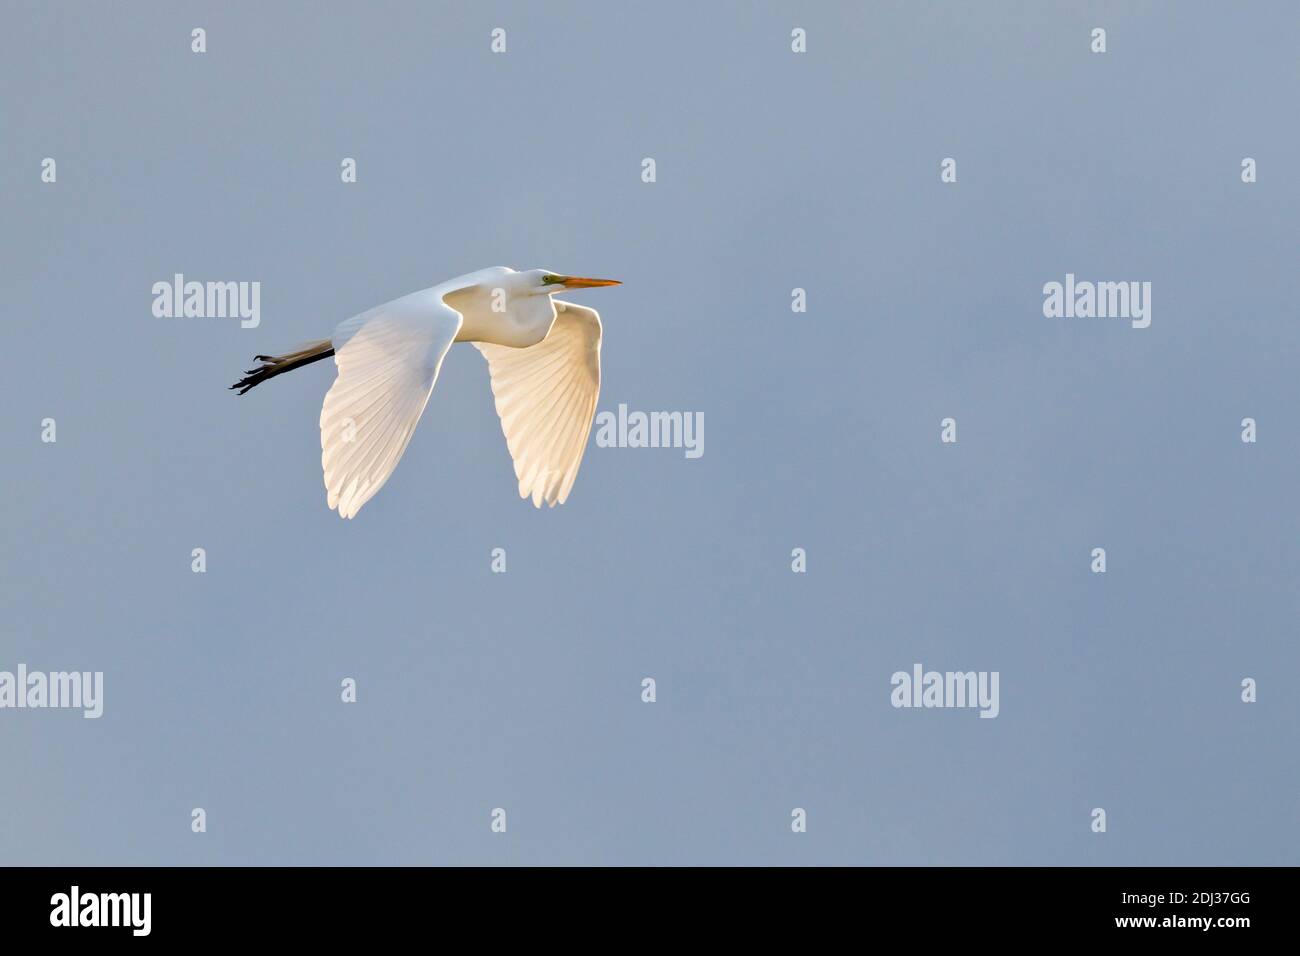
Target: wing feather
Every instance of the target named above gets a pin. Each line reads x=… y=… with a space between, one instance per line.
x=388 y=360
x=546 y=397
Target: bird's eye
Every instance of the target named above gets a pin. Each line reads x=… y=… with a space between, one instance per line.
x=551 y=279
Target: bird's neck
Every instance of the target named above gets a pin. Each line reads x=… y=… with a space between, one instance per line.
x=502 y=319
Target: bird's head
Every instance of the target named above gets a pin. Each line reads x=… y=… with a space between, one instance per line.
x=545 y=282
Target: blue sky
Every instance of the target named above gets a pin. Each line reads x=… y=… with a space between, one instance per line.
x=522 y=690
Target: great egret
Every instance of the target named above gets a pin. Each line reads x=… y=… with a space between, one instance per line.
x=543 y=359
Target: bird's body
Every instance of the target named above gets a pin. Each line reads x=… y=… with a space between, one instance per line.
x=543 y=359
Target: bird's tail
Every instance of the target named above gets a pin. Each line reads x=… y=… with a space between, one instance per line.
x=273 y=365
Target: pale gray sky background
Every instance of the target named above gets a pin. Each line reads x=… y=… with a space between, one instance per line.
x=775 y=170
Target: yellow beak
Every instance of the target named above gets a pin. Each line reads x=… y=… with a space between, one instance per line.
x=577 y=282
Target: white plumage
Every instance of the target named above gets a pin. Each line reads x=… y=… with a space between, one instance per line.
x=543 y=360
x=546 y=398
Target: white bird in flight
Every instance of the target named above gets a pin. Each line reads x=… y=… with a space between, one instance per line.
x=543 y=359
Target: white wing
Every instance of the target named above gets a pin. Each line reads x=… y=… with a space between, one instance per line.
x=546 y=397
x=388 y=359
